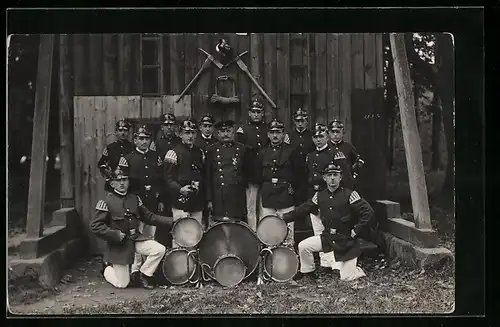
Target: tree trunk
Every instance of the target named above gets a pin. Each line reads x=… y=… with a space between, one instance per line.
x=445 y=86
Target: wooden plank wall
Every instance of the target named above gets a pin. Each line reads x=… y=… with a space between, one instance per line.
x=308 y=70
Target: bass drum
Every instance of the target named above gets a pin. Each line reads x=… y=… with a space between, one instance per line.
x=229 y=238
x=282 y=264
x=179 y=266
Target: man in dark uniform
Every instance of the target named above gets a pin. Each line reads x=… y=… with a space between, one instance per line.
x=345 y=217
x=227 y=170
x=345 y=153
x=253 y=134
x=279 y=175
x=205 y=137
x=114 y=151
x=145 y=173
x=184 y=172
x=166 y=139
x=300 y=137
x=316 y=161
x=116 y=220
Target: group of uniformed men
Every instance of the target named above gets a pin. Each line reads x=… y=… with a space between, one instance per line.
x=239 y=174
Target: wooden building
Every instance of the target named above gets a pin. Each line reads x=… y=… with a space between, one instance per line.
x=140 y=76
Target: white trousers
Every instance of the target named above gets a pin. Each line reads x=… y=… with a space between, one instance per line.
x=325 y=259
x=118 y=275
x=289 y=241
x=252 y=193
x=178 y=214
x=146 y=230
x=348 y=269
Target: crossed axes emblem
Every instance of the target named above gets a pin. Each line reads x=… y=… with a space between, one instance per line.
x=210 y=59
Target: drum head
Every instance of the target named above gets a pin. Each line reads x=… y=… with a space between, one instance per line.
x=272 y=230
x=229 y=270
x=178 y=267
x=187 y=232
x=233 y=238
x=282 y=265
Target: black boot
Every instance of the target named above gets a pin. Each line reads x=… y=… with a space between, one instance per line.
x=134 y=279
x=146 y=282
x=308 y=276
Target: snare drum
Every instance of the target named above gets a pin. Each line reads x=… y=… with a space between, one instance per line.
x=179 y=266
x=187 y=232
x=272 y=230
x=229 y=270
x=281 y=264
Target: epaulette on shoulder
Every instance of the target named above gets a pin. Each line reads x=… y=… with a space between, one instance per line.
x=354 y=197
x=101 y=206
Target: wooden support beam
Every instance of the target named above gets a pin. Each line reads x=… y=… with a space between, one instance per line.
x=66 y=121
x=411 y=137
x=36 y=197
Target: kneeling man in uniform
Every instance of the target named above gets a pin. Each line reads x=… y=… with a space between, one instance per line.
x=345 y=216
x=116 y=220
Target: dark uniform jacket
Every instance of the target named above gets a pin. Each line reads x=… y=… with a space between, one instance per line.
x=317 y=160
x=112 y=154
x=351 y=158
x=227 y=169
x=254 y=136
x=279 y=174
x=203 y=143
x=182 y=166
x=110 y=219
x=163 y=144
x=303 y=143
x=340 y=212
x=145 y=175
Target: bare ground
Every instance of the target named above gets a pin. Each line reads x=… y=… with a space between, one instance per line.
x=388 y=288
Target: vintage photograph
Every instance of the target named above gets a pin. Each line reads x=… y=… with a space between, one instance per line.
x=231 y=173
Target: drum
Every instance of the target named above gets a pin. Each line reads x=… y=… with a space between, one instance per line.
x=229 y=270
x=272 y=230
x=179 y=266
x=282 y=264
x=229 y=238
x=187 y=232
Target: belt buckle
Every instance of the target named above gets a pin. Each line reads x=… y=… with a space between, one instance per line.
x=274 y=180
x=147 y=187
x=132 y=232
x=333 y=231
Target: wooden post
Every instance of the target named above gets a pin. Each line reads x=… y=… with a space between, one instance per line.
x=36 y=197
x=66 y=122
x=411 y=137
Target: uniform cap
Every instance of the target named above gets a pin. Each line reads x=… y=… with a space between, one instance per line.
x=276 y=125
x=142 y=131
x=332 y=168
x=319 y=129
x=167 y=118
x=223 y=124
x=120 y=173
x=335 y=124
x=122 y=123
x=300 y=114
x=188 y=125
x=207 y=119
x=256 y=105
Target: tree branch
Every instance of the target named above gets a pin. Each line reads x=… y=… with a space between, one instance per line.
x=426 y=70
